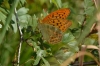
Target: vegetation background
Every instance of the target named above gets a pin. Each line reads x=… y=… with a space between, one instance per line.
x=21 y=42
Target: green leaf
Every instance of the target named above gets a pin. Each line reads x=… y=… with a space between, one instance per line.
x=37 y=60
x=67 y=38
x=3 y=10
x=70 y=41
x=88 y=3
x=73 y=46
x=89 y=41
x=2 y=17
x=45 y=61
x=61 y=56
x=34 y=22
x=22 y=11
x=58 y=3
x=80 y=19
x=53 y=1
x=40 y=54
x=45 y=13
x=87 y=28
x=89 y=10
x=65 y=5
x=0 y=26
x=6 y=4
x=90 y=13
x=68 y=54
x=15 y=24
x=23 y=20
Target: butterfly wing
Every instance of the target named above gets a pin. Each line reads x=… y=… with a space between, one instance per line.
x=44 y=30
x=61 y=24
x=50 y=33
x=58 y=14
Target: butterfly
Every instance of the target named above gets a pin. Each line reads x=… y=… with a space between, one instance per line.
x=54 y=25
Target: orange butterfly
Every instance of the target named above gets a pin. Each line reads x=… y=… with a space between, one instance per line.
x=54 y=25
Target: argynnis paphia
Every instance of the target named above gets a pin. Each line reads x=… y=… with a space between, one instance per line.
x=54 y=25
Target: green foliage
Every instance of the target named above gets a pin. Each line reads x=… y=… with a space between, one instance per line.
x=35 y=50
x=58 y=3
x=2 y=17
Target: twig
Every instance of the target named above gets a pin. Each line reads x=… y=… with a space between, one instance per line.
x=81 y=58
x=21 y=38
x=95 y=1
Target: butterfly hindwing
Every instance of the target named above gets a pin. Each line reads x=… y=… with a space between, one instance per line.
x=50 y=33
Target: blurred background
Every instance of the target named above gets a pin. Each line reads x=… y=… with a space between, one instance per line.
x=34 y=50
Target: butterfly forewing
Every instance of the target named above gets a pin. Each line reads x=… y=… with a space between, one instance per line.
x=61 y=24
x=62 y=14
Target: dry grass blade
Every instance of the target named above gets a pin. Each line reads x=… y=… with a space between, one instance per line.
x=72 y=58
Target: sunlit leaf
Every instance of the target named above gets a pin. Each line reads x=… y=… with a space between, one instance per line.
x=22 y=11
x=34 y=22
x=15 y=24
x=88 y=3
x=89 y=11
x=45 y=62
x=0 y=26
x=3 y=10
x=59 y=3
x=67 y=38
x=2 y=17
x=37 y=60
x=89 y=41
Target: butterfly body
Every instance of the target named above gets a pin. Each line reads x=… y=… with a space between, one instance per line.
x=54 y=25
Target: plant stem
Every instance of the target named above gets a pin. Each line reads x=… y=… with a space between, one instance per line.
x=3 y=32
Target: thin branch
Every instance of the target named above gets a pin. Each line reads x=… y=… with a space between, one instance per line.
x=21 y=38
x=81 y=58
x=95 y=1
